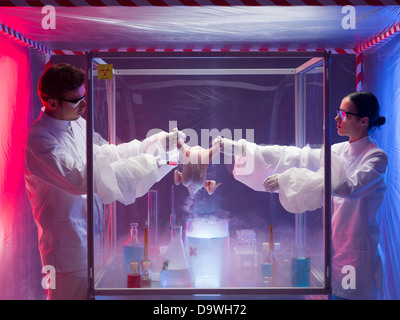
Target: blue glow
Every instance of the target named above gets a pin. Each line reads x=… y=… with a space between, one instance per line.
x=381 y=75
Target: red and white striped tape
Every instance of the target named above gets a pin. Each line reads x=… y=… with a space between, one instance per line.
x=380 y=39
x=165 y=3
x=41 y=48
x=17 y=37
x=358 y=72
x=22 y=39
x=261 y=49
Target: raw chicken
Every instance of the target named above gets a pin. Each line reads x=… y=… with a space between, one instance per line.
x=195 y=163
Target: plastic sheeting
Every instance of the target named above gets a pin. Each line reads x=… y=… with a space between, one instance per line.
x=20 y=267
x=20 y=275
x=382 y=76
x=196 y=28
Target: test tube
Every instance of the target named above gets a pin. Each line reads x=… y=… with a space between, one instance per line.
x=172 y=216
x=152 y=217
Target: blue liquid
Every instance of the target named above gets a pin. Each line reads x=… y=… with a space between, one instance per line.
x=266 y=274
x=132 y=254
x=301 y=272
x=266 y=269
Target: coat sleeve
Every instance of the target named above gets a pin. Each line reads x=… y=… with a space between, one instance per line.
x=302 y=190
x=367 y=178
x=260 y=162
x=124 y=180
x=155 y=145
x=127 y=171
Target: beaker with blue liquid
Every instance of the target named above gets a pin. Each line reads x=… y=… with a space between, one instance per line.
x=301 y=267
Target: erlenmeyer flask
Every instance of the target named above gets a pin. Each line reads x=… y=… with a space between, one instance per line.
x=175 y=270
x=133 y=248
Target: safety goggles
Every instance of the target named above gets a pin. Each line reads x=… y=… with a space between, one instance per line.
x=343 y=114
x=74 y=101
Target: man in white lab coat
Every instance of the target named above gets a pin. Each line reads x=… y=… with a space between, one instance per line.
x=358 y=170
x=55 y=176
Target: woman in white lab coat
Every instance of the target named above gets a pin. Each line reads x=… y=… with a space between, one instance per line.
x=55 y=177
x=358 y=169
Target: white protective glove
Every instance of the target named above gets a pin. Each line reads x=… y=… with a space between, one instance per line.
x=271 y=183
x=232 y=147
x=159 y=162
x=162 y=142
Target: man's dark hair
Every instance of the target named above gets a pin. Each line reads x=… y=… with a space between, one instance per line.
x=59 y=78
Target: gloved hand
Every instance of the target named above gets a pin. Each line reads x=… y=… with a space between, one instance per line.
x=158 y=161
x=170 y=139
x=271 y=183
x=162 y=142
x=231 y=147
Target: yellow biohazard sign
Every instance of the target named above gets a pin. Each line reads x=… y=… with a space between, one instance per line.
x=105 y=71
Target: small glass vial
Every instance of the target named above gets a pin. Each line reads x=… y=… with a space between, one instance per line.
x=145 y=273
x=134 y=280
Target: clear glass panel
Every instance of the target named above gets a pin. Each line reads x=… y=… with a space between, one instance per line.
x=314 y=99
x=251 y=98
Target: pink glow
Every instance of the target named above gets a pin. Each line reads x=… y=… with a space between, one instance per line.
x=15 y=103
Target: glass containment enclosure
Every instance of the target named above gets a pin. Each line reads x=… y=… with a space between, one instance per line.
x=171 y=239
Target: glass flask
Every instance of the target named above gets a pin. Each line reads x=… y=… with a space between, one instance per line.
x=133 y=248
x=175 y=270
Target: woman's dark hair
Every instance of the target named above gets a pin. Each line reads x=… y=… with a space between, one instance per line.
x=367 y=105
x=59 y=78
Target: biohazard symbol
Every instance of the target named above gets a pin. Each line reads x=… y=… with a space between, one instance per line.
x=165 y=264
x=105 y=71
x=192 y=251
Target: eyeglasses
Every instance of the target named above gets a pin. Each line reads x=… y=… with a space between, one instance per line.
x=74 y=101
x=343 y=114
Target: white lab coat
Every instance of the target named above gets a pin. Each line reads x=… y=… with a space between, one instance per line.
x=55 y=179
x=358 y=188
